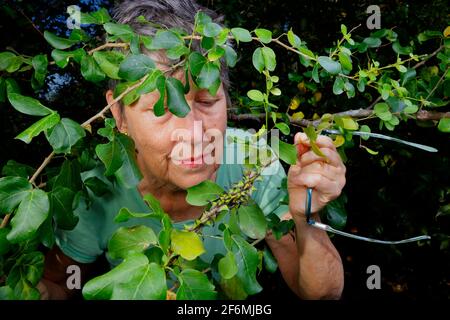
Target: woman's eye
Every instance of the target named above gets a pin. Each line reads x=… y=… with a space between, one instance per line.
x=207 y=102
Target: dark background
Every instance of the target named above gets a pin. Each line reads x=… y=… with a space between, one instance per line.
x=392 y=195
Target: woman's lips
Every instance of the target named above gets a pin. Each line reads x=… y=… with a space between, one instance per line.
x=193 y=162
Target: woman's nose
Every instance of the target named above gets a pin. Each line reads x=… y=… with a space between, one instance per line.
x=193 y=123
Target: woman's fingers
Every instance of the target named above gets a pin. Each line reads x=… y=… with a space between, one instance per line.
x=323 y=185
x=321 y=141
x=333 y=157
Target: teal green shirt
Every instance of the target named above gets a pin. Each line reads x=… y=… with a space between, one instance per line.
x=89 y=239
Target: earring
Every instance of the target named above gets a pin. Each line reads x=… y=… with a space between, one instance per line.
x=125 y=133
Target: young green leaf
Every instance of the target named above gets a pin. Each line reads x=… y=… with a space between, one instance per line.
x=90 y=70
x=209 y=78
x=58 y=42
x=187 y=244
x=252 y=221
x=28 y=105
x=176 y=102
x=331 y=66
x=12 y=191
x=135 y=66
x=227 y=266
x=130 y=240
x=202 y=193
x=64 y=135
x=241 y=34
x=135 y=278
x=264 y=35
x=36 y=128
x=194 y=285
x=31 y=213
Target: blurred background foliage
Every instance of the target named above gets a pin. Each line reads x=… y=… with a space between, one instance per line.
x=398 y=193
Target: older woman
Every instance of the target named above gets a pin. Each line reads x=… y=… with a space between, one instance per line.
x=308 y=261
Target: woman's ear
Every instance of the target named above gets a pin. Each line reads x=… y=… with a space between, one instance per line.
x=117 y=113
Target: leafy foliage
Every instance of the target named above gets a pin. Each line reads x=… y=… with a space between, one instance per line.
x=403 y=91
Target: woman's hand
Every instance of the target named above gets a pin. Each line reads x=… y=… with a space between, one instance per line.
x=326 y=178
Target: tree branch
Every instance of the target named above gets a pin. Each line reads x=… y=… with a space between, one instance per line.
x=422 y=115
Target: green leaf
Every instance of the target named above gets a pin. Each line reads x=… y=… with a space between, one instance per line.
x=25 y=275
x=176 y=52
x=135 y=66
x=252 y=221
x=372 y=42
x=28 y=105
x=128 y=174
x=215 y=53
x=6 y=60
x=98 y=187
x=211 y=29
x=247 y=262
x=345 y=61
x=264 y=35
x=284 y=128
x=125 y=214
x=255 y=95
x=58 y=42
x=176 y=101
x=382 y=111
x=110 y=155
x=208 y=43
x=230 y=56
x=286 y=152
x=331 y=66
x=17 y=169
x=365 y=128
x=233 y=288
x=293 y=39
x=134 y=279
x=338 y=85
x=12 y=191
x=202 y=193
x=264 y=58
x=401 y=50
x=40 y=64
x=227 y=266
x=62 y=57
x=69 y=175
x=241 y=34
x=130 y=240
x=165 y=39
x=31 y=213
x=61 y=207
x=109 y=62
x=187 y=244
x=196 y=63
x=209 y=78
x=444 y=125
x=153 y=204
x=159 y=108
x=194 y=285
x=346 y=122
x=6 y=293
x=90 y=70
x=149 y=83
x=36 y=128
x=270 y=263
x=65 y=135
x=123 y=31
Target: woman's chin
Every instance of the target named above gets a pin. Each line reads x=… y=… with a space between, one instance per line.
x=193 y=176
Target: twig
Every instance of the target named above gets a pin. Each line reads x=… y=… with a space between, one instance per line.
x=109 y=45
x=428 y=57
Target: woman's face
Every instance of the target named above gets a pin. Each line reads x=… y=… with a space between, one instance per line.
x=172 y=151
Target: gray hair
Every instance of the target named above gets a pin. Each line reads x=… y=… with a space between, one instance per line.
x=168 y=14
